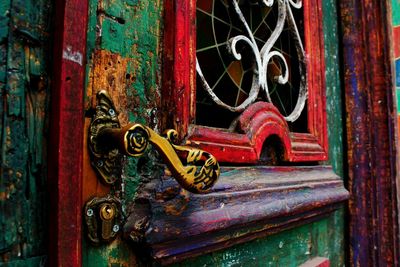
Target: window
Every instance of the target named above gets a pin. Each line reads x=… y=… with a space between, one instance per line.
x=255 y=74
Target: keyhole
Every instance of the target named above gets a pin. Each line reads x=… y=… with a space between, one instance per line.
x=107 y=212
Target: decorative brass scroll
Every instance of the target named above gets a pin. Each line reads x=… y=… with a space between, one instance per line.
x=194 y=169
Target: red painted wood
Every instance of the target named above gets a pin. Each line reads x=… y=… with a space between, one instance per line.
x=179 y=95
x=371 y=133
x=396 y=41
x=316 y=262
x=179 y=59
x=66 y=149
x=314 y=46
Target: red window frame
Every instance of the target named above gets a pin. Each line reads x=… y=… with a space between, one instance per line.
x=260 y=120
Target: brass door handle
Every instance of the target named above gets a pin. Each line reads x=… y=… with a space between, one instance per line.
x=194 y=169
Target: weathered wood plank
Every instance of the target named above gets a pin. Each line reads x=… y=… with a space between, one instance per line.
x=371 y=135
x=124 y=60
x=65 y=159
x=24 y=84
x=245 y=204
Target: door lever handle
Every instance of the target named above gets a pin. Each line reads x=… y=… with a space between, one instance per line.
x=194 y=169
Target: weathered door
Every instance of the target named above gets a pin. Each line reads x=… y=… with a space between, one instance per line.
x=141 y=53
x=25 y=70
x=280 y=197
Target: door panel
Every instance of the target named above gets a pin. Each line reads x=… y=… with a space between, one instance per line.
x=125 y=62
x=125 y=59
x=24 y=108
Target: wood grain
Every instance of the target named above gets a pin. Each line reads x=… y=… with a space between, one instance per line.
x=371 y=134
x=65 y=156
x=247 y=203
x=25 y=70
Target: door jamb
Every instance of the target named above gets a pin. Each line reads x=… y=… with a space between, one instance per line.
x=371 y=133
x=66 y=135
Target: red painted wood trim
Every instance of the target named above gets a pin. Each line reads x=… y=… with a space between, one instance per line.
x=179 y=59
x=396 y=41
x=371 y=133
x=314 y=46
x=316 y=262
x=66 y=149
x=179 y=93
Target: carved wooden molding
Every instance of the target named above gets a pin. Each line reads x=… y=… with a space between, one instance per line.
x=259 y=122
x=246 y=203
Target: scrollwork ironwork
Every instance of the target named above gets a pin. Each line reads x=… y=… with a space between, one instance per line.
x=264 y=56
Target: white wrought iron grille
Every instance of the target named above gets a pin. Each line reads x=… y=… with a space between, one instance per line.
x=248 y=51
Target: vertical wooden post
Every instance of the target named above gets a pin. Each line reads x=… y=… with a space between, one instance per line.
x=371 y=134
x=65 y=155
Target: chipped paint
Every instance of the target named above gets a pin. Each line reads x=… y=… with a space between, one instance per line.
x=24 y=84
x=74 y=56
x=138 y=75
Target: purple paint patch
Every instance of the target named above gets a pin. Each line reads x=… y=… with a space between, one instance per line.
x=398 y=73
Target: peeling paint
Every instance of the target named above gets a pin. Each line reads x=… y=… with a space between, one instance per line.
x=74 y=56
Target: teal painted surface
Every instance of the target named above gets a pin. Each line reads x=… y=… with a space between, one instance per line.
x=334 y=104
x=288 y=248
x=34 y=262
x=25 y=87
x=396 y=12
x=131 y=31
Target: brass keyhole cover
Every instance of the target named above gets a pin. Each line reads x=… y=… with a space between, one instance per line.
x=103 y=219
x=107 y=212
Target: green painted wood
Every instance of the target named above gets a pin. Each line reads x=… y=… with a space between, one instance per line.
x=130 y=29
x=289 y=248
x=34 y=262
x=24 y=85
x=334 y=103
x=139 y=23
x=396 y=12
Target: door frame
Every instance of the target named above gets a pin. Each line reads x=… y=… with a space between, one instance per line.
x=372 y=142
x=65 y=174
x=372 y=170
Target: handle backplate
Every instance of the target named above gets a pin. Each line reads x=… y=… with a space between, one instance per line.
x=194 y=169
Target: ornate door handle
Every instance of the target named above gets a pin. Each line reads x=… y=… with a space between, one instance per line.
x=194 y=169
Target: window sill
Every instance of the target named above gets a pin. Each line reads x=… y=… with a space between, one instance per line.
x=245 y=204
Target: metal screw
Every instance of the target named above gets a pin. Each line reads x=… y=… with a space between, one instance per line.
x=111 y=112
x=89 y=212
x=116 y=228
